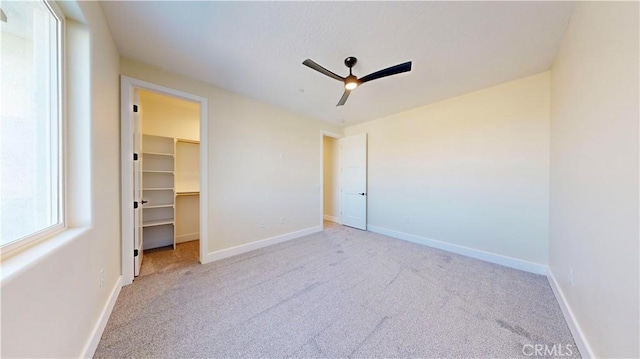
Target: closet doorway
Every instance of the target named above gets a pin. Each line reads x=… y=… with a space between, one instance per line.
x=170 y=159
x=164 y=167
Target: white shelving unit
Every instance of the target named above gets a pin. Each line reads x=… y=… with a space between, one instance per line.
x=158 y=189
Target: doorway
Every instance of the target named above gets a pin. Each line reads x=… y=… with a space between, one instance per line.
x=343 y=169
x=330 y=208
x=170 y=159
x=164 y=170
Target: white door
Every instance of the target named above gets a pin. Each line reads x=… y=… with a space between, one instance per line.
x=353 y=181
x=137 y=186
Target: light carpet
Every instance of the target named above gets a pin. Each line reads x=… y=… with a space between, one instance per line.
x=164 y=259
x=336 y=294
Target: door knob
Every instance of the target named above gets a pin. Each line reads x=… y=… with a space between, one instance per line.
x=143 y=201
x=362 y=194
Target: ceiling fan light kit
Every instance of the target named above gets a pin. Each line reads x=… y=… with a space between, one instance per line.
x=351 y=82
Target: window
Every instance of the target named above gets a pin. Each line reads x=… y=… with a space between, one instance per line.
x=31 y=121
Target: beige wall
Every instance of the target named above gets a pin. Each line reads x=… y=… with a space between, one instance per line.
x=594 y=174
x=471 y=171
x=248 y=180
x=331 y=187
x=169 y=116
x=51 y=294
x=187 y=174
x=187 y=218
x=187 y=177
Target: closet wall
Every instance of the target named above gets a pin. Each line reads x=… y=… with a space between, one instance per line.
x=187 y=191
x=331 y=187
x=169 y=117
x=179 y=119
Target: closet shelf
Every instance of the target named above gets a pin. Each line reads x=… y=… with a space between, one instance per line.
x=166 y=205
x=155 y=171
x=158 y=154
x=158 y=187
x=157 y=222
x=187 y=193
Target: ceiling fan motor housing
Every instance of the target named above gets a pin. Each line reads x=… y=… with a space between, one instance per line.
x=350 y=61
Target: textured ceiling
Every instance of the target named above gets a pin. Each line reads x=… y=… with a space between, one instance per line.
x=257 y=48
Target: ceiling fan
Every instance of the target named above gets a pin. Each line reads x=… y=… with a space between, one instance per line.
x=351 y=81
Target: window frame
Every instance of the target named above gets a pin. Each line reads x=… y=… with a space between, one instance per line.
x=61 y=226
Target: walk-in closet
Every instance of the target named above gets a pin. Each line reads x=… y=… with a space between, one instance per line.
x=170 y=162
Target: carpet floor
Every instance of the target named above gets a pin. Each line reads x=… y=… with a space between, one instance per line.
x=336 y=294
x=163 y=259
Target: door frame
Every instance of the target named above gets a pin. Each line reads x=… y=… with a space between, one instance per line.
x=127 y=87
x=322 y=135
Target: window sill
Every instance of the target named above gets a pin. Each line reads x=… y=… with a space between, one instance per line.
x=15 y=263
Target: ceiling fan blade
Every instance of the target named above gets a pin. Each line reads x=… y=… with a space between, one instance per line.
x=393 y=70
x=322 y=70
x=344 y=98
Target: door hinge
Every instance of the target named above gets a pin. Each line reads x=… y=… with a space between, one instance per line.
x=135 y=204
x=135 y=108
x=135 y=156
x=135 y=252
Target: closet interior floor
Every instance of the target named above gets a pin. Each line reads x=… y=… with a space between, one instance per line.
x=162 y=259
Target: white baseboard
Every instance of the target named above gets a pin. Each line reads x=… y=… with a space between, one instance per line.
x=187 y=237
x=465 y=251
x=576 y=330
x=330 y=218
x=233 y=251
x=96 y=333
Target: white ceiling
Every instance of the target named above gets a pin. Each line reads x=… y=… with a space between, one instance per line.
x=257 y=48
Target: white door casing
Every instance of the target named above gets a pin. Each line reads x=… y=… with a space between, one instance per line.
x=353 y=181
x=128 y=86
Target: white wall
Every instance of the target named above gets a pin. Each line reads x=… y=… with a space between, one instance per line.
x=248 y=180
x=51 y=294
x=594 y=174
x=470 y=171
x=330 y=174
